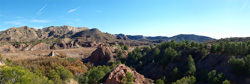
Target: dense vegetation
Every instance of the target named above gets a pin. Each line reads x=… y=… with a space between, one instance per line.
x=179 y=60
x=52 y=70
x=174 y=62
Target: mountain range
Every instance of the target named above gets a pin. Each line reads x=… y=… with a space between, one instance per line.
x=26 y=34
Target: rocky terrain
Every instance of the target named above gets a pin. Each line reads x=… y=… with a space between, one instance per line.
x=117 y=74
x=92 y=57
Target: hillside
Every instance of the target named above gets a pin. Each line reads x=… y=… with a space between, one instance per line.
x=27 y=34
x=177 y=38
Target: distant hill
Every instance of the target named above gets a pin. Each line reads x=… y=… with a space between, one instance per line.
x=232 y=39
x=190 y=37
x=26 y=34
x=177 y=38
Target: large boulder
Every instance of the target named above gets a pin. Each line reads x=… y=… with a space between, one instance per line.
x=117 y=75
x=101 y=55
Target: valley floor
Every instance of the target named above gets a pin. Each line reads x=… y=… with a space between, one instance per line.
x=73 y=53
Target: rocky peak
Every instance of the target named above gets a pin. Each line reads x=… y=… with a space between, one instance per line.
x=101 y=55
x=116 y=76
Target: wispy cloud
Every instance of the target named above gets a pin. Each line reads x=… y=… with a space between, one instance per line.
x=72 y=10
x=14 y=23
x=244 y=5
x=40 y=21
x=41 y=10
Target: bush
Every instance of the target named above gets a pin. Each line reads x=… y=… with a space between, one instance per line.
x=20 y=75
x=191 y=65
x=146 y=48
x=125 y=47
x=128 y=79
x=212 y=78
x=62 y=55
x=46 y=64
x=186 y=80
x=237 y=65
x=54 y=76
x=226 y=82
x=1 y=58
x=159 y=81
x=63 y=73
x=94 y=75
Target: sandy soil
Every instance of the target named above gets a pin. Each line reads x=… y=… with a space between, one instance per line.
x=75 y=53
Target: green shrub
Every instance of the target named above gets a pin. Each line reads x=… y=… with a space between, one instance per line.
x=191 y=65
x=226 y=82
x=128 y=79
x=125 y=47
x=159 y=81
x=20 y=75
x=186 y=80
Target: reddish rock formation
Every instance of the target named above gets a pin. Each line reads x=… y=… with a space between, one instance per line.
x=101 y=55
x=116 y=76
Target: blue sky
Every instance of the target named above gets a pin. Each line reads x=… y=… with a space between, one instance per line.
x=214 y=18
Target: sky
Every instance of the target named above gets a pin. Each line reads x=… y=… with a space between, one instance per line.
x=213 y=18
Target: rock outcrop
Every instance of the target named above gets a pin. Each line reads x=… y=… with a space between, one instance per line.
x=7 y=48
x=52 y=54
x=40 y=46
x=102 y=55
x=2 y=63
x=117 y=75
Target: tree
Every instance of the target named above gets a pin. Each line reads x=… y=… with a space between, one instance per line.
x=247 y=61
x=186 y=80
x=63 y=73
x=175 y=74
x=213 y=48
x=151 y=46
x=1 y=58
x=54 y=76
x=191 y=65
x=203 y=52
x=128 y=79
x=226 y=82
x=159 y=81
x=211 y=75
x=248 y=52
x=170 y=55
x=236 y=65
x=125 y=47
x=21 y=75
x=156 y=54
x=146 y=48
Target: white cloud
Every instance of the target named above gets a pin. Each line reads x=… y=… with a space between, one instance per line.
x=41 y=10
x=40 y=21
x=14 y=23
x=72 y=10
